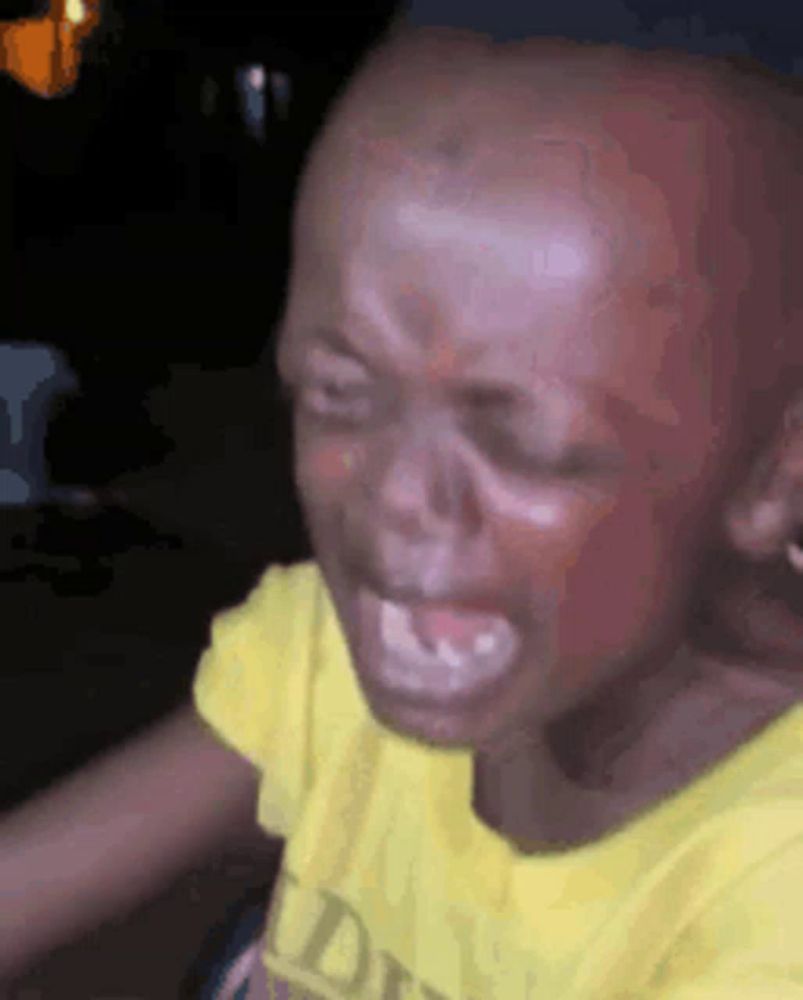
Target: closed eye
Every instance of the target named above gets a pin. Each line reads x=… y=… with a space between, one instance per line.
x=514 y=432
x=526 y=451
x=331 y=400
x=586 y=461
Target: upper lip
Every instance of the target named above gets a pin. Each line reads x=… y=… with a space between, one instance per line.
x=407 y=591
x=417 y=598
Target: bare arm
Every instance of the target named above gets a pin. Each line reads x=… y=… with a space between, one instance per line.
x=117 y=832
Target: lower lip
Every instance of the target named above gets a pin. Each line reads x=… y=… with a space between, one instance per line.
x=425 y=679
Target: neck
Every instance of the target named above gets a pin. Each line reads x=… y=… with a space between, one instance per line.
x=578 y=779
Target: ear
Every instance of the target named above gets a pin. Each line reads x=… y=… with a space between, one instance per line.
x=766 y=514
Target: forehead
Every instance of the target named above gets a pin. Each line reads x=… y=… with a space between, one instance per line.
x=480 y=195
x=453 y=119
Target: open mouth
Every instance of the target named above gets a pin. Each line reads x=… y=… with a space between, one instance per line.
x=427 y=651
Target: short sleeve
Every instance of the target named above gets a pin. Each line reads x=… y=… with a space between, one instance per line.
x=748 y=942
x=254 y=685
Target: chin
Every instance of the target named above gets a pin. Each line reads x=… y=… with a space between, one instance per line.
x=465 y=728
x=432 y=728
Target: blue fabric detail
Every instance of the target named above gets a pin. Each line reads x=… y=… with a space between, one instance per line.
x=245 y=928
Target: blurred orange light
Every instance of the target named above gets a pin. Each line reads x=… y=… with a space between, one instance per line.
x=44 y=53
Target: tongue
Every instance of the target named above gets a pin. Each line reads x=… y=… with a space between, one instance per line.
x=461 y=628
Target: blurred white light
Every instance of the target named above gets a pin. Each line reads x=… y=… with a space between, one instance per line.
x=75 y=11
x=252 y=99
x=257 y=77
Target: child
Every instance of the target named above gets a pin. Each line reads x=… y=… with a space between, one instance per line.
x=542 y=337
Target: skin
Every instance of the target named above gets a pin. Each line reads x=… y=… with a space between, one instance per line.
x=520 y=385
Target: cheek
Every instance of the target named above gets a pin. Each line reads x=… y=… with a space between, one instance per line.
x=619 y=595
x=614 y=575
x=546 y=536
x=324 y=469
x=601 y=564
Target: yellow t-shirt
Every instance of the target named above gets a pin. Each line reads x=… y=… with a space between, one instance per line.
x=393 y=890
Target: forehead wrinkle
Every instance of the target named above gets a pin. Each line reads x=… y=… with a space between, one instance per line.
x=667 y=88
x=452 y=190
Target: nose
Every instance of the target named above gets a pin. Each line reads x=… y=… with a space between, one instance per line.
x=423 y=492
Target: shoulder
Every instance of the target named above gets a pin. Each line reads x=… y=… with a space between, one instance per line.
x=280 y=596
x=742 y=935
x=718 y=899
x=297 y=582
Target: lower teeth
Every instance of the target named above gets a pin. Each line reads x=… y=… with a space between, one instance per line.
x=444 y=651
x=398 y=633
x=396 y=629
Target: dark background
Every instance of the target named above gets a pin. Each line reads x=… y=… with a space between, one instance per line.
x=148 y=241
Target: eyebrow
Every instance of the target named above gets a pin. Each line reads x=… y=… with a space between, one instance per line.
x=340 y=341
x=287 y=355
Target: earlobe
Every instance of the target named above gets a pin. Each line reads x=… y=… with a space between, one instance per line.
x=794 y=553
x=757 y=527
x=765 y=518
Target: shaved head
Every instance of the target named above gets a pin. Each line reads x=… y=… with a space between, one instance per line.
x=445 y=109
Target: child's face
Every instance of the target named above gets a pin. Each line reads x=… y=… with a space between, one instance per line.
x=507 y=440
